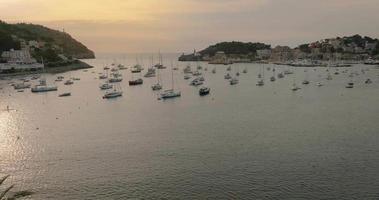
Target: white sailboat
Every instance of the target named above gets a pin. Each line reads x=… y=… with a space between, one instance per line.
x=171 y=93
x=157 y=86
x=116 y=92
x=261 y=78
x=43 y=86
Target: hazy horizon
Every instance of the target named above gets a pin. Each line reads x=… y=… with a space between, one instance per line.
x=146 y=26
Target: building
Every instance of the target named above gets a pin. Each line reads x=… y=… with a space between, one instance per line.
x=281 y=53
x=17 y=56
x=264 y=54
x=18 y=60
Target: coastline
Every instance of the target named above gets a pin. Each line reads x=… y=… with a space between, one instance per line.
x=77 y=65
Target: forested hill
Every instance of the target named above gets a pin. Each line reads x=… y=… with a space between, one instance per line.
x=44 y=42
x=229 y=48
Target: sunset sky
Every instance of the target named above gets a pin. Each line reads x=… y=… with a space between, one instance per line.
x=183 y=25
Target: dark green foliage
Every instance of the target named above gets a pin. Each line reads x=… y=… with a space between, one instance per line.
x=235 y=48
x=305 y=48
x=357 y=39
x=376 y=50
x=7 y=42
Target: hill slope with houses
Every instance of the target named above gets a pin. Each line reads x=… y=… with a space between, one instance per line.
x=353 y=47
x=25 y=46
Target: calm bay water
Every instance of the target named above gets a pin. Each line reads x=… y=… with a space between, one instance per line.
x=240 y=142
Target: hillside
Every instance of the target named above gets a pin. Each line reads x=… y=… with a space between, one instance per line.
x=44 y=42
x=236 y=49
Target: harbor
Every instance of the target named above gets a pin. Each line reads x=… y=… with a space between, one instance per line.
x=187 y=140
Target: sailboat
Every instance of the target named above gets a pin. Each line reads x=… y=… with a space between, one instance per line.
x=244 y=70
x=187 y=69
x=305 y=81
x=160 y=64
x=294 y=86
x=116 y=92
x=150 y=71
x=116 y=77
x=272 y=79
x=157 y=86
x=234 y=81
x=104 y=75
x=43 y=87
x=350 y=84
x=171 y=93
x=261 y=78
x=106 y=86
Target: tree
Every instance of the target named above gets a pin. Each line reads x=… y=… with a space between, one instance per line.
x=305 y=48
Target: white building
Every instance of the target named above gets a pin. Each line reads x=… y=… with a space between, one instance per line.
x=19 y=60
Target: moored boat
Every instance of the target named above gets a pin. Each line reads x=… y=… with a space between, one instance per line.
x=138 y=81
x=204 y=91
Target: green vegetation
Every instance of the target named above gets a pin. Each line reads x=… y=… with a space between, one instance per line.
x=54 y=42
x=305 y=48
x=235 y=48
x=232 y=49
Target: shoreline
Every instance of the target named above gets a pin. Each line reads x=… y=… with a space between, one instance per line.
x=52 y=70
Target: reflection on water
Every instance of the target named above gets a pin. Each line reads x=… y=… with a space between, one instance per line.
x=239 y=142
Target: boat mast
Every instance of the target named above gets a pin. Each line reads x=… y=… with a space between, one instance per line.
x=172 y=78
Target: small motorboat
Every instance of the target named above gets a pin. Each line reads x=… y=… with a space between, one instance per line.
x=103 y=76
x=196 y=82
x=115 y=79
x=234 y=81
x=187 y=70
x=204 y=91
x=319 y=84
x=227 y=76
x=66 y=94
x=295 y=87
x=186 y=77
x=69 y=82
x=136 y=82
x=156 y=86
x=272 y=79
x=106 y=86
x=260 y=82
x=305 y=82
x=350 y=84
x=196 y=73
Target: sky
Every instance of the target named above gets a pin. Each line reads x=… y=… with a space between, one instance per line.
x=135 y=26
